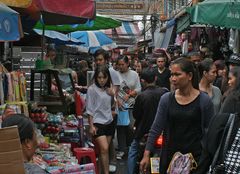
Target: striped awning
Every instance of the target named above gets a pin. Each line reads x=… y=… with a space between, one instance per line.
x=127 y=30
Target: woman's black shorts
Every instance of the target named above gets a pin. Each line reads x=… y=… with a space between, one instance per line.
x=107 y=130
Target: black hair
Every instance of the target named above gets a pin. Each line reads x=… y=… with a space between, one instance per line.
x=25 y=125
x=50 y=48
x=194 y=53
x=148 y=75
x=236 y=73
x=124 y=58
x=205 y=65
x=102 y=69
x=101 y=52
x=161 y=57
x=188 y=66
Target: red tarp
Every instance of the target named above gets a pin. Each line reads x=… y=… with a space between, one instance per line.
x=63 y=11
x=77 y=8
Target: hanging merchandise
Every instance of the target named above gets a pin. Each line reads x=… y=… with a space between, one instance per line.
x=13 y=90
x=1 y=89
x=233 y=42
x=231 y=39
x=203 y=38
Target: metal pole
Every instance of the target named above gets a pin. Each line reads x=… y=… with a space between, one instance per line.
x=43 y=39
x=6 y=50
x=144 y=33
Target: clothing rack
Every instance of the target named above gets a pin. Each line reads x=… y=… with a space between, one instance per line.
x=13 y=88
x=3 y=69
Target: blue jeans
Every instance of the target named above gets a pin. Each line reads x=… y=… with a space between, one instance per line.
x=132 y=156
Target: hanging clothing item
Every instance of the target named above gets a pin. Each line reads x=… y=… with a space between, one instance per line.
x=178 y=40
x=5 y=87
x=203 y=38
x=23 y=87
x=1 y=89
x=185 y=47
x=11 y=95
x=16 y=85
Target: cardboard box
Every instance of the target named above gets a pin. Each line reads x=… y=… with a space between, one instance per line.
x=11 y=157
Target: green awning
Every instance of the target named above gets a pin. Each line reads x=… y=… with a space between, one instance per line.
x=100 y=22
x=222 y=13
x=183 y=23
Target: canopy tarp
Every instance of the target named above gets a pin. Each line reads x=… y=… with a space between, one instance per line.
x=56 y=12
x=222 y=13
x=93 y=40
x=100 y=22
x=17 y=3
x=10 y=24
x=59 y=38
x=183 y=23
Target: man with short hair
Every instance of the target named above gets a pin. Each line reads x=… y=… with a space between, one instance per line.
x=162 y=73
x=195 y=57
x=101 y=57
x=144 y=111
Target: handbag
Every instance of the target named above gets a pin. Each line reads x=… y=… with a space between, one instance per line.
x=220 y=167
x=182 y=164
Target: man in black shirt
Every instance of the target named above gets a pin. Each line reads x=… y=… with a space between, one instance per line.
x=163 y=74
x=144 y=111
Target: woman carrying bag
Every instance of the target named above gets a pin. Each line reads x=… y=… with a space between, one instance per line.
x=182 y=116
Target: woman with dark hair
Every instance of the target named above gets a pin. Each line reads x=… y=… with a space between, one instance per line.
x=232 y=101
x=182 y=116
x=208 y=73
x=130 y=86
x=221 y=80
x=28 y=140
x=99 y=110
x=229 y=151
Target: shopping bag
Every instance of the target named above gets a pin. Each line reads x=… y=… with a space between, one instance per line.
x=123 y=118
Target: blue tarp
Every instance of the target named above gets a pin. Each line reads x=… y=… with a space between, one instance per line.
x=59 y=38
x=10 y=24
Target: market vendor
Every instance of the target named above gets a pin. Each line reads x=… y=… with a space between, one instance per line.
x=51 y=55
x=28 y=140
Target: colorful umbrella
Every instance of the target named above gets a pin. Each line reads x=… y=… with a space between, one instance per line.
x=93 y=40
x=223 y=13
x=99 y=23
x=58 y=38
x=56 y=12
x=10 y=24
x=17 y=3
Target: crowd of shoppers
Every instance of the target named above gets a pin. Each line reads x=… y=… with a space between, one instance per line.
x=187 y=99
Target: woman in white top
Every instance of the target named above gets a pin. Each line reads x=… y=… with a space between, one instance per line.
x=208 y=74
x=130 y=86
x=99 y=109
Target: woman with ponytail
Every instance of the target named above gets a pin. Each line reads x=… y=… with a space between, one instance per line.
x=183 y=116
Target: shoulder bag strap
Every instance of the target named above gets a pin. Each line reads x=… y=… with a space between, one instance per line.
x=215 y=158
x=226 y=145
